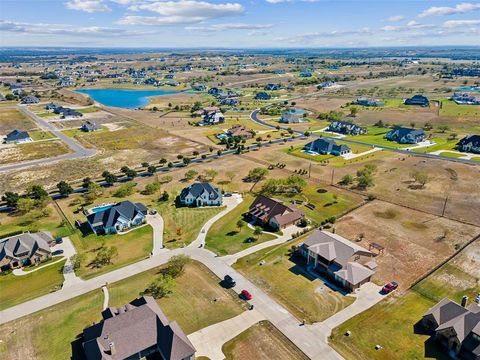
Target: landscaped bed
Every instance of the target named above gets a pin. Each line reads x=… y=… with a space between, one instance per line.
x=191 y=305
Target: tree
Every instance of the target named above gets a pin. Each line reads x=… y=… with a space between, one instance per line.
x=257 y=174
x=161 y=287
x=86 y=182
x=125 y=189
x=239 y=225
x=64 y=188
x=211 y=174
x=37 y=192
x=346 y=180
x=145 y=164
x=24 y=205
x=104 y=256
x=128 y=172
x=420 y=177
x=365 y=180
x=77 y=260
x=165 y=196
x=176 y=265
x=151 y=169
x=190 y=174
x=186 y=160
x=353 y=111
x=109 y=178
x=443 y=128
x=230 y=175
x=162 y=161
x=452 y=136
x=165 y=179
x=170 y=164
x=151 y=188
x=94 y=191
x=257 y=232
x=11 y=198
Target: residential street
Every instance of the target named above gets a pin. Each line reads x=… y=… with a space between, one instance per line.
x=79 y=152
x=311 y=339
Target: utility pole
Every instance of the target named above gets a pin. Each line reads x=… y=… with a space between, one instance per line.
x=310 y=170
x=333 y=173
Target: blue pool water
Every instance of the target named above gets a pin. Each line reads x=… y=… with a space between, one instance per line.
x=467 y=88
x=297 y=111
x=123 y=98
x=100 y=208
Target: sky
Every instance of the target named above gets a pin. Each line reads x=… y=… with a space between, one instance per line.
x=238 y=23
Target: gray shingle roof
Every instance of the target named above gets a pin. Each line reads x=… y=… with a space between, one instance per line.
x=137 y=326
x=109 y=217
x=16 y=135
x=198 y=189
x=25 y=244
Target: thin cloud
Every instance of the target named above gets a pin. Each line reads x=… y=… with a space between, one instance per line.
x=461 y=8
x=396 y=18
x=229 y=26
x=459 y=23
x=89 y=6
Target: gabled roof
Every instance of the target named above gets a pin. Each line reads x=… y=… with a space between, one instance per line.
x=108 y=217
x=474 y=139
x=25 y=244
x=452 y=315
x=403 y=131
x=17 y=135
x=445 y=310
x=326 y=145
x=265 y=209
x=354 y=273
x=198 y=189
x=134 y=327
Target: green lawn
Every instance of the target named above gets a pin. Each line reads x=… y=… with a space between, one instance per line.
x=441 y=143
x=286 y=281
x=452 y=155
x=45 y=219
x=132 y=247
x=18 y=289
x=375 y=136
x=391 y=322
x=46 y=114
x=225 y=237
x=41 y=135
x=191 y=305
x=450 y=108
x=262 y=341
x=183 y=224
x=88 y=110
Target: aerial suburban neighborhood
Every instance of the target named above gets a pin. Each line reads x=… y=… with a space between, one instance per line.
x=214 y=180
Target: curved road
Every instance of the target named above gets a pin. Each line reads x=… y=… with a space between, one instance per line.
x=79 y=152
x=254 y=117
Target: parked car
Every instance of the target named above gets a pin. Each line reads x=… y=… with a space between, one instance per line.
x=58 y=241
x=57 y=252
x=246 y=295
x=388 y=288
x=229 y=281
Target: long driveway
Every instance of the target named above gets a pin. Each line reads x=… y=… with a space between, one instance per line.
x=78 y=151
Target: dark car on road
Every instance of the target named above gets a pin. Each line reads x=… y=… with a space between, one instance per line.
x=229 y=281
x=388 y=288
x=58 y=241
x=57 y=252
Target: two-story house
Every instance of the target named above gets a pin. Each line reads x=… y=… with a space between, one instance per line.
x=201 y=194
x=116 y=218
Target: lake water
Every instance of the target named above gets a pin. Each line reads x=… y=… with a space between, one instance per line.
x=467 y=88
x=123 y=98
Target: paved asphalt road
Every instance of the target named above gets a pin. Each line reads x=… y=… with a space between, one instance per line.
x=79 y=151
x=254 y=117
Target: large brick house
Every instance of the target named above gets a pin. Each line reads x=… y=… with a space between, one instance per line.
x=25 y=249
x=267 y=211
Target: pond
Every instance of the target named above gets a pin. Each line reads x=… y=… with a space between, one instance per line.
x=123 y=98
x=468 y=88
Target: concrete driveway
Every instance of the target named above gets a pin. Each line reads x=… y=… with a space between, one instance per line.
x=156 y=222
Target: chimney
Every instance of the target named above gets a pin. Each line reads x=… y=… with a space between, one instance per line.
x=112 y=348
x=464 y=300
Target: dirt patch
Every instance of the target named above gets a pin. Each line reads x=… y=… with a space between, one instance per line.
x=414 y=242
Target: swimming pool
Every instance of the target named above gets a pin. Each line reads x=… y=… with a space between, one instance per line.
x=468 y=88
x=100 y=208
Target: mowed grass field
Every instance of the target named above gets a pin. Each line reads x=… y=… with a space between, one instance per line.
x=11 y=118
x=183 y=224
x=191 y=305
x=132 y=246
x=305 y=297
x=224 y=237
x=451 y=109
x=45 y=219
x=391 y=323
x=18 y=289
x=262 y=341
x=32 y=151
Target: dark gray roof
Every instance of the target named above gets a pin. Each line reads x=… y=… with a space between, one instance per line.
x=326 y=145
x=474 y=139
x=16 y=135
x=403 y=131
x=137 y=326
x=197 y=189
x=108 y=218
x=25 y=244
